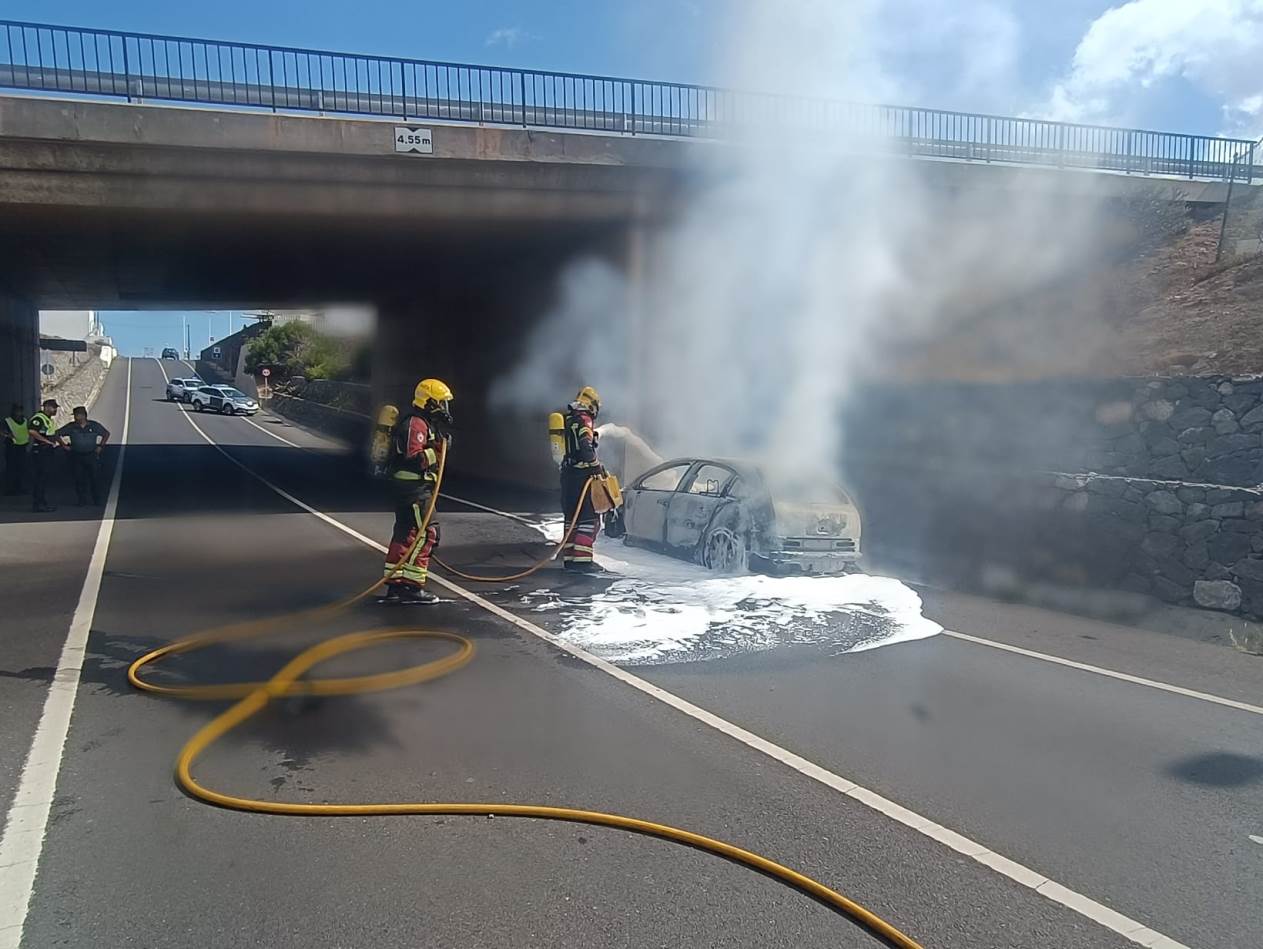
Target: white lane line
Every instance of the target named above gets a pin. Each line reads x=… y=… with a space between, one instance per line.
x=279 y=438
x=1029 y=653
x=27 y=820
x=1129 y=928
x=1256 y=839
x=1045 y=657
x=1110 y=673
x=450 y=497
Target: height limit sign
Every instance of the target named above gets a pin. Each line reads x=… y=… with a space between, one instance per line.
x=411 y=140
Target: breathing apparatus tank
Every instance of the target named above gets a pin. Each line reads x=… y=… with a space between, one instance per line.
x=380 y=448
x=557 y=437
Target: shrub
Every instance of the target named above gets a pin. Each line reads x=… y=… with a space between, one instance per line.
x=298 y=349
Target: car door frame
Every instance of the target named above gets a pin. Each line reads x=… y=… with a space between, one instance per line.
x=659 y=496
x=707 y=505
x=216 y=399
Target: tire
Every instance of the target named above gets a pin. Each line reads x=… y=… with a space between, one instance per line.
x=724 y=552
x=170 y=397
x=197 y=406
x=226 y=409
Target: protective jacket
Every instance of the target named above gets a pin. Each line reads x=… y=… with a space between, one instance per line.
x=581 y=438
x=43 y=425
x=415 y=453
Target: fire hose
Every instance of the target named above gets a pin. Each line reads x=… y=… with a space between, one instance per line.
x=292 y=680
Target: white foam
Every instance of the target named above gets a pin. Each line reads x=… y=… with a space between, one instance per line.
x=553 y=527
x=658 y=609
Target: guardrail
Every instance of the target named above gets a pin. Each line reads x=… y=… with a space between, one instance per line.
x=139 y=66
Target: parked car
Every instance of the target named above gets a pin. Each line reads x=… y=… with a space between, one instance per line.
x=170 y=353
x=223 y=399
x=730 y=516
x=178 y=390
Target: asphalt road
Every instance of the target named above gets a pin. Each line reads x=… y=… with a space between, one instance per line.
x=1137 y=798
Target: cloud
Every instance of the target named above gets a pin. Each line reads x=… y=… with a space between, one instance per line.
x=507 y=36
x=932 y=52
x=1131 y=53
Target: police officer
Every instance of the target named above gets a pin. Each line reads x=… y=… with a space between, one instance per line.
x=16 y=438
x=86 y=440
x=44 y=443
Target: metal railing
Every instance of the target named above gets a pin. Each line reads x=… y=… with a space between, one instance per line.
x=139 y=66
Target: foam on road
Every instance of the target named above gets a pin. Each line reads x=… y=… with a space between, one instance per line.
x=658 y=610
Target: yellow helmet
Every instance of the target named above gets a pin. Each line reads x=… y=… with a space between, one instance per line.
x=590 y=398
x=431 y=390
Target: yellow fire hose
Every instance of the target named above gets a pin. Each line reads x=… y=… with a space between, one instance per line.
x=574 y=522
x=253 y=697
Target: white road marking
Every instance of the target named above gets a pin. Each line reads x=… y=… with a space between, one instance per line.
x=1129 y=928
x=1110 y=673
x=27 y=820
x=1256 y=838
x=450 y=497
x=279 y=438
x=1029 y=653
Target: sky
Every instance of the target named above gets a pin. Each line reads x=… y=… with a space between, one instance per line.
x=134 y=330
x=1177 y=65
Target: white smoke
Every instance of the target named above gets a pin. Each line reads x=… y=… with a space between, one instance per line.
x=581 y=341
x=798 y=260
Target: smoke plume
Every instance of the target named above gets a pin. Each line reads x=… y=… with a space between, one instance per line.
x=802 y=261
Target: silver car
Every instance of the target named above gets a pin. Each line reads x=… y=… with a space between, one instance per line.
x=731 y=516
x=179 y=390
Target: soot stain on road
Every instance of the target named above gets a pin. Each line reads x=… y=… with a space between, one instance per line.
x=1220 y=769
x=300 y=731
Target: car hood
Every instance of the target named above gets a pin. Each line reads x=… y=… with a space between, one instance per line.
x=815 y=520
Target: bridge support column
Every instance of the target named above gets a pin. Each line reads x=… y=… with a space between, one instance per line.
x=19 y=353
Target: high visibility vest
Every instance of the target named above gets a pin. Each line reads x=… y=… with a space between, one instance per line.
x=21 y=434
x=45 y=427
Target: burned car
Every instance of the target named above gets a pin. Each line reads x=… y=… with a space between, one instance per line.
x=730 y=516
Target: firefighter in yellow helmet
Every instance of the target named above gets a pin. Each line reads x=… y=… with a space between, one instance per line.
x=412 y=470
x=578 y=465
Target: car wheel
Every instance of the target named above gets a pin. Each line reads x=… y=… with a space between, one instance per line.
x=225 y=409
x=197 y=406
x=724 y=551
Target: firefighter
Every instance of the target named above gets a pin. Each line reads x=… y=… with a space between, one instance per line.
x=577 y=467
x=416 y=441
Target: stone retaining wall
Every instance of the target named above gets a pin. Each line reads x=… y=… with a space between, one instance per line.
x=1207 y=429
x=349 y=427
x=75 y=382
x=1184 y=543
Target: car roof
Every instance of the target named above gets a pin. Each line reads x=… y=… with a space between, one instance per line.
x=743 y=468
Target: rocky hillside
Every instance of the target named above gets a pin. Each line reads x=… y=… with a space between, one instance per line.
x=1166 y=310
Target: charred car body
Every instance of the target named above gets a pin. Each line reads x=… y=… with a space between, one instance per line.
x=728 y=516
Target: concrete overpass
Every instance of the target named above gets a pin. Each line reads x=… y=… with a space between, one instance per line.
x=137 y=205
